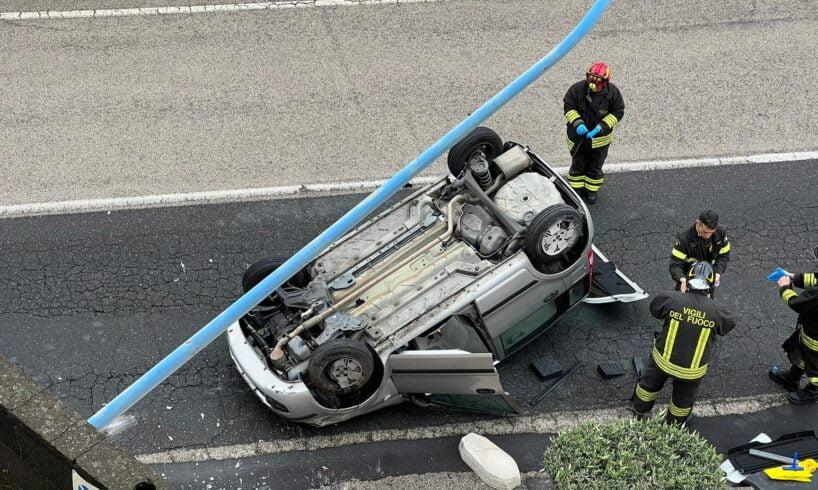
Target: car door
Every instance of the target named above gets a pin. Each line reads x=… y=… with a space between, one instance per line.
x=609 y=284
x=452 y=378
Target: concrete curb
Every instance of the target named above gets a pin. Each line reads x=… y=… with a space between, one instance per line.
x=43 y=442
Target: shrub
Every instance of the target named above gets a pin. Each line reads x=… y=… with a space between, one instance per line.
x=632 y=453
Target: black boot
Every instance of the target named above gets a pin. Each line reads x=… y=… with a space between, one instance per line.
x=590 y=196
x=788 y=378
x=580 y=192
x=807 y=394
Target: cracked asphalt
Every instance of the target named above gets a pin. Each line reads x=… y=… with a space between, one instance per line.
x=90 y=301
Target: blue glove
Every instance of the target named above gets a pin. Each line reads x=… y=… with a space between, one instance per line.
x=582 y=129
x=777 y=274
x=594 y=131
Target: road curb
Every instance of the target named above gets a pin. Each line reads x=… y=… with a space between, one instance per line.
x=43 y=442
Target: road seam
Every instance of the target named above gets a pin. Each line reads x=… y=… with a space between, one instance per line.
x=548 y=423
x=316 y=190
x=195 y=9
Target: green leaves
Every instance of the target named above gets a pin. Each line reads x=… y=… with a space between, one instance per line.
x=632 y=454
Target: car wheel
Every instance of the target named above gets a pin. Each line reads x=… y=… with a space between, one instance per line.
x=263 y=268
x=480 y=139
x=552 y=233
x=340 y=366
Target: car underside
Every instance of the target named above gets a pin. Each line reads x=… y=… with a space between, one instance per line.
x=427 y=296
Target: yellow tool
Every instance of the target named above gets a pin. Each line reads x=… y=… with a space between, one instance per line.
x=805 y=475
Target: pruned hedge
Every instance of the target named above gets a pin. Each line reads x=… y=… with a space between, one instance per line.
x=632 y=454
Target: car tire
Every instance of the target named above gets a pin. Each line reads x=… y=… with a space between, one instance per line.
x=552 y=233
x=480 y=138
x=340 y=366
x=263 y=268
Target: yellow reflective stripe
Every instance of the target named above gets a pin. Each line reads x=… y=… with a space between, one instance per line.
x=570 y=144
x=704 y=335
x=678 y=254
x=576 y=181
x=601 y=141
x=671 y=338
x=645 y=395
x=724 y=249
x=787 y=294
x=678 y=371
x=679 y=412
x=593 y=185
x=571 y=116
x=813 y=381
x=610 y=120
x=808 y=341
x=809 y=280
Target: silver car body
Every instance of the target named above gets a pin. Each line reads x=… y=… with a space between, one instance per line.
x=420 y=288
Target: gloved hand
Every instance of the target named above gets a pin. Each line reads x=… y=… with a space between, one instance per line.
x=594 y=131
x=582 y=129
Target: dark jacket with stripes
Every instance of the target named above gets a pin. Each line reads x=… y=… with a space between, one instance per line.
x=805 y=304
x=682 y=348
x=605 y=108
x=690 y=248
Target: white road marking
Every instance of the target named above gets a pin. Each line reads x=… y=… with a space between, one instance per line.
x=314 y=190
x=547 y=423
x=194 y=9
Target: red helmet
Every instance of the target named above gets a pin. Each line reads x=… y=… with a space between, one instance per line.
x=598 y=76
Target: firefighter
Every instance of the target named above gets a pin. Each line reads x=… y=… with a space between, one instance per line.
x=705 y=240
x=802 y=346
x=592 y=107
x=681 y=350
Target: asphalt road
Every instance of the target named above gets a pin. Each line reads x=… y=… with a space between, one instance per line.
x=435 y=463
x=112 y=107
x=98 y=108
x=93 y=300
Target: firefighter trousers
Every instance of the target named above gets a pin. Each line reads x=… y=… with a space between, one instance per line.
x=799 y=355
x=586 y=167
x=651 y=383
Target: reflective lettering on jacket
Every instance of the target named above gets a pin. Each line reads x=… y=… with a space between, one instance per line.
x=682 y=347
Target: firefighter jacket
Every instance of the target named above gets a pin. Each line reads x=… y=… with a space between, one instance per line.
x=805 y=304
x=682 y=348
x=691 y=248
x=581 y=106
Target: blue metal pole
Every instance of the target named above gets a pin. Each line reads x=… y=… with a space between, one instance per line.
x=173 y=361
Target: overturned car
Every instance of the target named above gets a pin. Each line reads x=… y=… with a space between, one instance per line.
x=422 y=301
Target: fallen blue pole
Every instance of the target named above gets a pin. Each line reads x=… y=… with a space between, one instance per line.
x=173 y=361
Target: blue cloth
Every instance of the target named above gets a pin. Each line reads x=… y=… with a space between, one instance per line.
x=777 y=274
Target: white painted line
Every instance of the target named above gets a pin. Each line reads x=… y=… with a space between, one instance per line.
x=207 y=197
x=309 y=190
x=195 y=9
x=548 y=423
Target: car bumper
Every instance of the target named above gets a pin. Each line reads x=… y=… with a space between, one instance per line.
x=292 y=400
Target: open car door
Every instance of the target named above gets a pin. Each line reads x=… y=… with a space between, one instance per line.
x=609 y=284
x=452 y=378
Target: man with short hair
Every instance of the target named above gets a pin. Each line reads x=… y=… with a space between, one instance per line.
x=681 y=351
x=705 y=240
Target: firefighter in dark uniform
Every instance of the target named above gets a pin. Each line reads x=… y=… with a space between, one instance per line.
x=705 y=240
x=802 y=346
x=681 y=351
x=592 y=107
